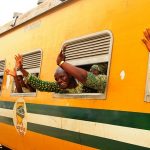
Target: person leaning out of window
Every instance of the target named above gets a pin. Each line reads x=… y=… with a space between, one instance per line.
x=68 y=78
x=20 y=85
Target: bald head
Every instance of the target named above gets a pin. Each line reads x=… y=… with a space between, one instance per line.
x=59 y=70
x=62 y=78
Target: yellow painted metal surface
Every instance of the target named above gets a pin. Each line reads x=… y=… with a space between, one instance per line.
x=62 y=24
x=126 y=20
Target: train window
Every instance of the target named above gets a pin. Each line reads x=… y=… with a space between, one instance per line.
x=2 y=66
x=147 y=95
x=32 y=63
x=88 y=51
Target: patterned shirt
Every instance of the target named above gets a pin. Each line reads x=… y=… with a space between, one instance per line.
x=94 y=82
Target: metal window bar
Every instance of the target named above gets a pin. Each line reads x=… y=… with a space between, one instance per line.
x=32 y=60
x=88 y=47
x=2 y=66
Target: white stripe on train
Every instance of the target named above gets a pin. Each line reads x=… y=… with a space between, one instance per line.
x=128 y=135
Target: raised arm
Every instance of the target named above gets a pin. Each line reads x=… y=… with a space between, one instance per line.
x=19 y=65
x=14 y=75
x=35 y=82
x=146 y=40
x=76 y=72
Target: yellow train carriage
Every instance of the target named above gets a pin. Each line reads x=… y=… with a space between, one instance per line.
x=97 y=32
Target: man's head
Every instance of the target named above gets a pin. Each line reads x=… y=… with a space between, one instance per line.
x=62 y=78
x=95 y=70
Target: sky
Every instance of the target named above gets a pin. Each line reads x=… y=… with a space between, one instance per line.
x=8 y=7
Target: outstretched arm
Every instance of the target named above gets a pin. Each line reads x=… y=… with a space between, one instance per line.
x=76 y=72
x=19 y=65
x=146 y=40
x=14 y=74
x=35 y=82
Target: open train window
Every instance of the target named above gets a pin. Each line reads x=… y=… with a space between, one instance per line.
x=86 y=51
x=2 y=66
x=32 y=63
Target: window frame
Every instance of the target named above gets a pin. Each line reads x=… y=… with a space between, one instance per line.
x=2 y=74
x=100 y=96
x=147 y=90
x=32 y=70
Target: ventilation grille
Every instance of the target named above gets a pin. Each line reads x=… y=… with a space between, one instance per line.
x=32 y=60
x=2 y=65
x=88 y=47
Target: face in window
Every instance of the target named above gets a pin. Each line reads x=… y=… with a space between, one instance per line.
x=62 y=78
x=95 y=70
